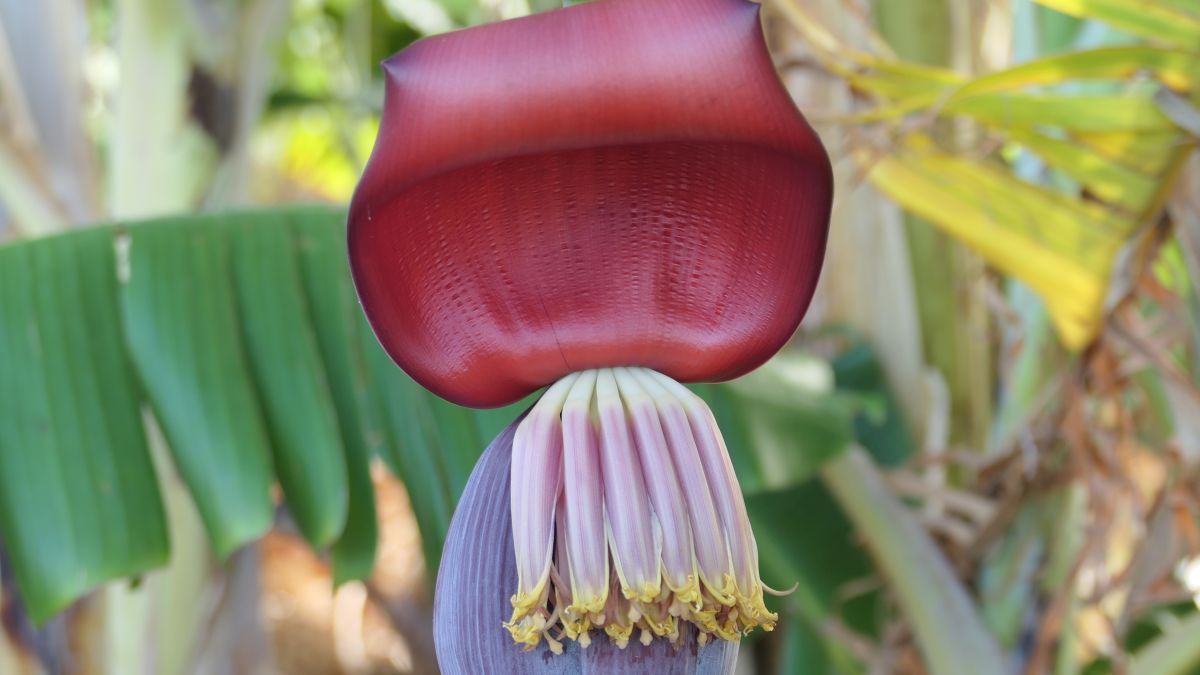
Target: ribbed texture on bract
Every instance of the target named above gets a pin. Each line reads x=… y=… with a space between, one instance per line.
x=623 y=182
x=476 y=580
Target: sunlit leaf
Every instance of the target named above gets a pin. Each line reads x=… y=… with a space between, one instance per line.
x=1175 y=68
x=1090 y=114
x=991 y=97
x=886 y=80
x=1061 y=247
x=1109 y=180
x=1158 y=20
x=1148 y=153
x=1074 y=113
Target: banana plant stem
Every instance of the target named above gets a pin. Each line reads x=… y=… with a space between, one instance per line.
x=1176 y=652
x=948 y=629
x=33 y=213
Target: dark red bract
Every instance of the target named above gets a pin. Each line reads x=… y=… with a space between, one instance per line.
x=624 y=182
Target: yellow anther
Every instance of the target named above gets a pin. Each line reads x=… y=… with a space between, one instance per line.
x=618 y=633
x=647 y=593
x=524 y=603
x=592 y=605
x=528 y=631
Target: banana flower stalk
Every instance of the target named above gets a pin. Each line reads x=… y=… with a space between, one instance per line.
x=606 y=201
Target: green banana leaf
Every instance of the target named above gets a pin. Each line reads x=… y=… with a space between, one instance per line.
x=241 y=334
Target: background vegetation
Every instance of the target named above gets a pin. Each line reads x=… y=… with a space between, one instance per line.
x=980 y=455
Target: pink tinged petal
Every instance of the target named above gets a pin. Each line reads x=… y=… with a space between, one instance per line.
x=631 y=534
x=727 y=496
x=587 y=546
x=732 y=506
x=537 y=475
x=561 y=570
x=666 y=495
x=479 y=572
x=708 y=538
x=537 y=471
x=722 y=481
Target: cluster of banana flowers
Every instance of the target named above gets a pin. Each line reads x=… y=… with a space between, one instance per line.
x=605 y=200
